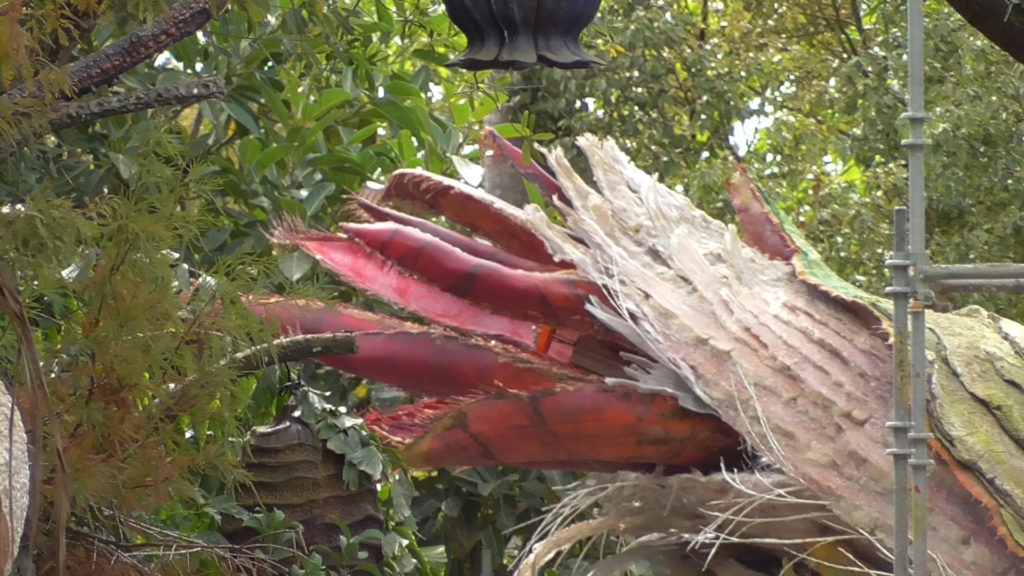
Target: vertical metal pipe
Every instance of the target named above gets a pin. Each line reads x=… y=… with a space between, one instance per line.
x=916 y=144
x=916 y=117
x=920 y=461
x=900 y=425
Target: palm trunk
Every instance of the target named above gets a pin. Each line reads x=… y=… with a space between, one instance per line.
x=790 y=365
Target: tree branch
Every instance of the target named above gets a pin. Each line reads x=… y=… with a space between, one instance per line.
x=67 y=114
x=106 y=65
x=290 y=349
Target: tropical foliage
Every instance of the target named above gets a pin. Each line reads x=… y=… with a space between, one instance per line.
x=130 y=237
x=809 y=95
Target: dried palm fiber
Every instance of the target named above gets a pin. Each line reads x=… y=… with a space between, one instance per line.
x=776 y=351
x=686 y=524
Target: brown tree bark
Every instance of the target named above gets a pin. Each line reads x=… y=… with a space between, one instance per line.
x=106 y=65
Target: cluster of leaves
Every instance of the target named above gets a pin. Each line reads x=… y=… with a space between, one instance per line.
x=139 y=396
x=324 y=97
x=809 y=95
x=107 y=226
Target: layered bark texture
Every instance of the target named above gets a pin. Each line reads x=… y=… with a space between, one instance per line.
x=14 y=479
x=645 y=335
x=293 y=472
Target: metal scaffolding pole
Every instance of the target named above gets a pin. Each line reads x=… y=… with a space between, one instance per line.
x=913 y=282
x=918 y=255
x=900 y=425
x=957 y=272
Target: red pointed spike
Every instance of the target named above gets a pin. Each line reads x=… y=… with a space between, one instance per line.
x=444 y=365
x=591 y=427
x=478 y=211
x=415 y=358
x=315 y=317
x=761 y=229
x=367 y=270
x=545 y=298
x=404 y=424
x=466 y=244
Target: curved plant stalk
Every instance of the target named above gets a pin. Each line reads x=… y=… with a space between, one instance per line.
x=483 y=214
x=557 y=299
x=468 y=245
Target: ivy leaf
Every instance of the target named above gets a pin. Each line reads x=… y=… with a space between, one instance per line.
x=391 y=544
x=294 y=265
x=345 y=444
x=125 y=165
x=368 y=460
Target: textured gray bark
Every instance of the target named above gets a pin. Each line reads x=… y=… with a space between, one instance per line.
x=67 y=114
x=14 y=479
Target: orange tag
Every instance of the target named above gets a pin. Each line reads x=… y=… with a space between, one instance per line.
x=544 y=338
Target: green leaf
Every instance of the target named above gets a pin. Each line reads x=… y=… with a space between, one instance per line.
x=242 y=114
x=215 y=238
x=363 y=134
x=403 y=89
x=344 y=444
x=460 y=111
x=392 y=544
x=403 y=116
x=125 y=165
x=272 y=155
x=385 y=19
x=368 y=460
x=484 y=108
x=431 y=56
x=407 y=148
x=316 y=196
x=249 y=149
x=294 y=265
x=330 y=99
x=272 y=96
x=512 y=131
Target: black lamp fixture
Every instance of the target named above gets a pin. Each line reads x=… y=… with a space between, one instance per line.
x=518 y=34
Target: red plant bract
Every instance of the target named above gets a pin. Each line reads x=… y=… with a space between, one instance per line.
x=513 y=365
